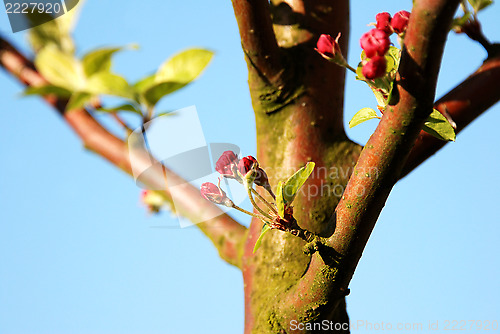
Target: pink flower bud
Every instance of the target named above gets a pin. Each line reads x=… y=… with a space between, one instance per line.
x=375 y=68
x=214 y=194
x=227 y=164
x=400 y=21
x=384 y=22
x=152 y=200
x=329 y=47
x=247 y=164
x=375 y=42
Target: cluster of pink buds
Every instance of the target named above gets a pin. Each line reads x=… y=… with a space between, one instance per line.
x=247 y=172
x=376 y=42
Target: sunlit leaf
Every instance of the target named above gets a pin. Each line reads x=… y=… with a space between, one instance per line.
x=109 y=84
x=145 y=83
x=47 y=90
x=478 y=5
x=361 y=116
x=154 y=93
x=98 y=60
x=438 y=126
x=392 y=57
x=295 y=182
x=56 y=31
x=264 y=230
x=78 y=100
x=123 y=107
x=185 y=66
x=60 y=69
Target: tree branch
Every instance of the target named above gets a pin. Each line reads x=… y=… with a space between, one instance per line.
x=226 y=234
x=464 y=104
x=257 y=36
x=381 y=160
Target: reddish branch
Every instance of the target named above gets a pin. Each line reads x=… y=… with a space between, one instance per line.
x=225 y=233
x=382 y=159
x=257 y=36
x=464 y=103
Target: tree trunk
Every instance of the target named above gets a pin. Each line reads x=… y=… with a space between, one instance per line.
x=299 y=118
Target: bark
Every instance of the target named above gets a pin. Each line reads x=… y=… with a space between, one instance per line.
x=299 y=117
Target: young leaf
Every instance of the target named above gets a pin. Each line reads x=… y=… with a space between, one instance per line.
x=123 y=107
x=145 y=83
x=438 y=126
x=293 y=184
x=78 y=100
x=54 y=31
x=264 y=230
x=154 y=93
x=47 y=90
x=478 y=5
x=98 y=60
x=280 y=203
x=60 y=69
x=184 y=67
x=361 y=116
x=378 y=86
x=109 y=84
x=392 y=56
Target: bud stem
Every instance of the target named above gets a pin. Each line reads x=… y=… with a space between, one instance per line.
x=249 y=213
x=249 y=191
x=263 y=200
x=349 y=67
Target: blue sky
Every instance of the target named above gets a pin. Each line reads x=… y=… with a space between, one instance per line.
x=78 y=254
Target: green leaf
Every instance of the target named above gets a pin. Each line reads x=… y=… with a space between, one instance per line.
x=280 y=203
x=438 y=126
x=478 y=5
x=361 y=116
x=145 y=83
x=47 y=90
x=60 y=69
x=458 y=22
x=56 y=31
x=378 y=86
x=98 y=60
x=123 y=107
x=264 y=230
x=109 y=84
x=78 y=100
x=293 y=184
x=154 y=93
x=185 y=66
x=392 y=57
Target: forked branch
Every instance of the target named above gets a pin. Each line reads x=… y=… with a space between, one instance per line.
x=226 y=234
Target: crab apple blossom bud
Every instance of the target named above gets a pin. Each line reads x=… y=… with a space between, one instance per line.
x=226 y=164
x=375 y=68
x=152 y=200
x=215 y=194
x=375 y=42
x=261 y=178
x=326 y=46
x=329 y=48
x=400 y=21
x=384 y=22
x=247 y=164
